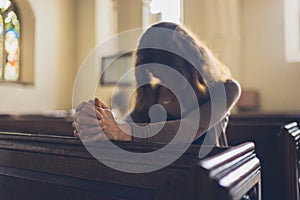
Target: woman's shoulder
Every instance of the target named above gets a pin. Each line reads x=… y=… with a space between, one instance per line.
x=233 y=91
x=230 y=85
x=233 y=86
x=232 y=82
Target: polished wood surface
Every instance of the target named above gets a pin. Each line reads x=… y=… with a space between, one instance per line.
x=275 y=146
x=38 y=124
x=289 y=147
x=34 y=166
x=260 y=116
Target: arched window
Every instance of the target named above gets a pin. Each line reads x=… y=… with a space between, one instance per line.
x=9 y=41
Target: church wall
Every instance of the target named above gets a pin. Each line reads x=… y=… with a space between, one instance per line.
x=54 y=62
x=265 y=68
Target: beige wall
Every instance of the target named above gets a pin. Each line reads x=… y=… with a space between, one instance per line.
x=124 y=16
x=265 y=68
x=85 y=30
x=54 y=61
x=27 y=41
x=218 y=26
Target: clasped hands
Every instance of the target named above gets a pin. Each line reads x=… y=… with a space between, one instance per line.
x=94 y=121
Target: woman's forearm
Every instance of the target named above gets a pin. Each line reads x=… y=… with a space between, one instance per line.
x=125 y=132
x=166 y=131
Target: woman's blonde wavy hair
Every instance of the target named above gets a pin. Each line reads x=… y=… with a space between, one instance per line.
x=202 y=69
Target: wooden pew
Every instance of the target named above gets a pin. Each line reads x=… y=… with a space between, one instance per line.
x=38 y=124
x=271 y=145
x=34 y=166
x=217 y=182
x=272 y=117
x=289 y=138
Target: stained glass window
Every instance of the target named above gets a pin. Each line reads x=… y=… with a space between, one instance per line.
x=9 y=41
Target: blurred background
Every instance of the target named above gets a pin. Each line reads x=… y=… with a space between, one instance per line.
x=257 y=39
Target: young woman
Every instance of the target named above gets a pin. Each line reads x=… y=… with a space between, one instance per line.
x=181 y=87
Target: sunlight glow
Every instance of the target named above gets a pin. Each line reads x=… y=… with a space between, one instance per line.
x=170 y=10
x=4 y=4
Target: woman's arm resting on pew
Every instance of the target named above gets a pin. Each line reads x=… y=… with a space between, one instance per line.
x=207 y=121
x=165 y=130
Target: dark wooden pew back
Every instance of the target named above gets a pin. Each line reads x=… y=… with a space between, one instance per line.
x=270 y=147
x=265 y=117
x=45 y=167
x=37 y=124
x=289 y=138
